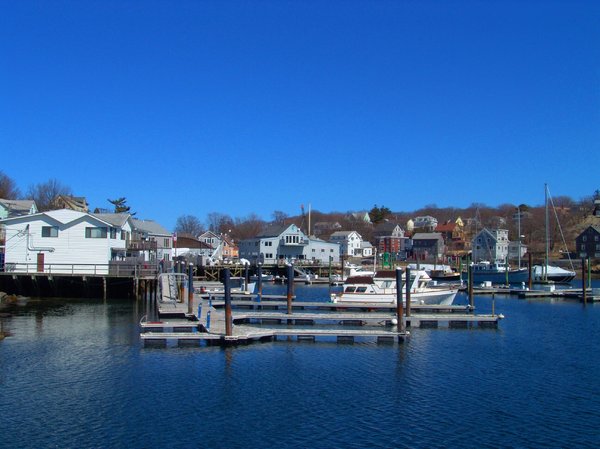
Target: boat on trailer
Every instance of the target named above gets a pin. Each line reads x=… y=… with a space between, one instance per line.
x=381 y=288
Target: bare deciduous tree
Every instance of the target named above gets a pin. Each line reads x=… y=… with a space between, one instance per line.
x=8 y=188
x=45 y=193
x=189 y=225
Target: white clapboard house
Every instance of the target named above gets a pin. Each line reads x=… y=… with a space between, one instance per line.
x=65 y=241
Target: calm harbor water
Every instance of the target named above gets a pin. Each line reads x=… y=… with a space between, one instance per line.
x=74 y=375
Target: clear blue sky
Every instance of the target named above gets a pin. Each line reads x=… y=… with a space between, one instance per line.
x=242 y=107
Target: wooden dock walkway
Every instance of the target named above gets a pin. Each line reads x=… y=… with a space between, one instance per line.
x=268 y=320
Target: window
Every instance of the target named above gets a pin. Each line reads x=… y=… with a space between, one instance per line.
x=269 y=255
x=123 y=235
x=584 y=238
x=167 y=243
x=95 y=233
x=113 y=233
x=49 y=231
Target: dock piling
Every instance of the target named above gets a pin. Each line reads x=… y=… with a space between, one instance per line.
x=260 y=286
x=191 y=288
x=407 y=278
x=470 y=287
x=227 y=285
x=583 y=281
x=290 y=287
x=399 y=306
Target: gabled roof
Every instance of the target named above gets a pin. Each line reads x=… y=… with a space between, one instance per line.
x=149 y=226
x=343 y=233
x=446 y=227
x=66 y=216
x=206 y=234
x=386 y=226
x=113 y=219
x=276 y=230
x=77 y=203
x=17 y=207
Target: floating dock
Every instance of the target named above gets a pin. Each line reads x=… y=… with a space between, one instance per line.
x=268 y=320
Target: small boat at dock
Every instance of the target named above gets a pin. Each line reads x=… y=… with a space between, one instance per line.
x=381 y=288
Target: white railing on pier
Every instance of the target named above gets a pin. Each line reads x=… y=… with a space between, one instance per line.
x=121 y=270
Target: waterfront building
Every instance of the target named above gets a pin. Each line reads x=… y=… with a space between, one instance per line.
x=366 y=249
x=63 y=241
x=348 y=241
x=490 y=245
x=513 y=250
x=287 y=243
x=428 y=245
x=152 y=240
x=390 y=238
x=453 y=233
x=588 y=242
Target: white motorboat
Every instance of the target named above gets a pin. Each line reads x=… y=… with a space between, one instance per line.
x=381 y=288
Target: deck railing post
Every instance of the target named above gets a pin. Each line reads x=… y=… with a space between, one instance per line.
x=227 y=286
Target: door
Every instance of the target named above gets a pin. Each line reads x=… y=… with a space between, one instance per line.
x=40 y=262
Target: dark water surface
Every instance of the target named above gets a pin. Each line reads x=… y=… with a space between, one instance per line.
x=74 y=375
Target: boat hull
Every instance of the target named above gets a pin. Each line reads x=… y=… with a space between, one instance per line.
x=434 y=297
x=498 y=277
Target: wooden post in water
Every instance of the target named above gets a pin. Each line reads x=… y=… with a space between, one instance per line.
x=589 y=272
x=583 y=281
x=259 y=276
x=290 y=287
x=399 y=305
x=246 y=277
x=226 y=284
x=407 y=279
x=530 y=270
x=470 y=286
x=191 y=289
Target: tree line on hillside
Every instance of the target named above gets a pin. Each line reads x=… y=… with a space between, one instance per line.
x=567 y=217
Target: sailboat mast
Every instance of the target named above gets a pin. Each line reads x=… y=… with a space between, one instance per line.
x=547 y=226
x=519 y=231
